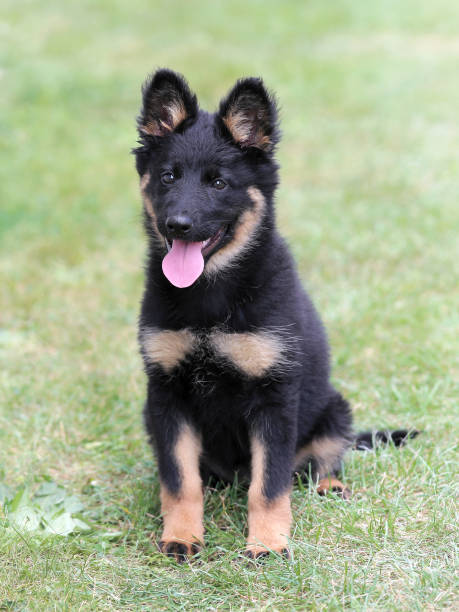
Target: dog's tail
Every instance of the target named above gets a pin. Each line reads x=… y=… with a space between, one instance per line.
x=367 y=440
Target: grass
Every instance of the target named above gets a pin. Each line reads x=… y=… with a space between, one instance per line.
x=370 y=181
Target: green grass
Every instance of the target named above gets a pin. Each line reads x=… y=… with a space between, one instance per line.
x=369 y=202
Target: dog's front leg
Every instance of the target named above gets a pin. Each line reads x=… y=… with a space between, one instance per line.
x=182 y=498
x=178 y=448
x=269 y=513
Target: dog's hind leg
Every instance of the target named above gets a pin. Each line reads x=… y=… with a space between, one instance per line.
x=320 y=460
x=325 y=485
x=320 y=457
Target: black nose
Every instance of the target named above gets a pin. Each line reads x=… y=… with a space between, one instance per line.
x=179 y=224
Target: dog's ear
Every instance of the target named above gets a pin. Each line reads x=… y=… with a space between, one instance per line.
x=167 y=102
x=249 y=113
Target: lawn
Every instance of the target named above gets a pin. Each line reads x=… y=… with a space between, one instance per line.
x=369 y=203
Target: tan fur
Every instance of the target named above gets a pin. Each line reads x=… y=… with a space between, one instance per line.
x=328 y=484
x=145 y=179
x=269 y=520
x=183 y=513
x=326 y=451
x=152 y=128
x=166 y=348
x=240 y=127
x=254 y=353
x=149 y=205
x=244 y=232
x=176 y=114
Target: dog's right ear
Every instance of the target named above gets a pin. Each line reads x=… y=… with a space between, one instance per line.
x=167 y=102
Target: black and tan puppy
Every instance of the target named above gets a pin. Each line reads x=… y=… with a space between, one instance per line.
x=236 y=356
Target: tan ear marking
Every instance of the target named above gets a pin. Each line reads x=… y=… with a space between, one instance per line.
x=243 y=235
x=240 y=126
x=166 y=348
x=176 y=113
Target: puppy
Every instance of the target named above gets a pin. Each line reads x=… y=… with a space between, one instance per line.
x=236 y=356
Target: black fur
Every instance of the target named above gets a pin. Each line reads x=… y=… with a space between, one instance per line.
x=367 y=440
x=291 y=404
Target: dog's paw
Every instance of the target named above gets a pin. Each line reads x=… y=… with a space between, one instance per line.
x=180 y=551
x=259 y=553
x=333 y=485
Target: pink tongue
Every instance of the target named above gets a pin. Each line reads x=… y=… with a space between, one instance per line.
x=184 y=263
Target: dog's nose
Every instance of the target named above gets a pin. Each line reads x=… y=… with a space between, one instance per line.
x=179 y=224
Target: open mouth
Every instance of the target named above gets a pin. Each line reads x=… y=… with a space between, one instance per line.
x=184 y=262
x=207 y=246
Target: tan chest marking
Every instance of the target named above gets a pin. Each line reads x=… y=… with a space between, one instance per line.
x=254 y=353
x=243 y=234
x=166 y=348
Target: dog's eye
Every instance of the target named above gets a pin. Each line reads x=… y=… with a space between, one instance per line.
x=167 y=177
x=219 y=184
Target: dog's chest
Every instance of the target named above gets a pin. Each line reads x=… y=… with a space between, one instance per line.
x=251 y=354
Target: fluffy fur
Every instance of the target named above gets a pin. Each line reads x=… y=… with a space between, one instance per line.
x=237 y=363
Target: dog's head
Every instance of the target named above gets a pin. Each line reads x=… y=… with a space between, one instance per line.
x=206 y=179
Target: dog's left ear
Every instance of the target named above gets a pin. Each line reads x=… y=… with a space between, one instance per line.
x=249 y=113
x=167 y=102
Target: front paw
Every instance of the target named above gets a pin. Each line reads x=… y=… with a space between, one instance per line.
x=179 y=550
x=256 y=552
